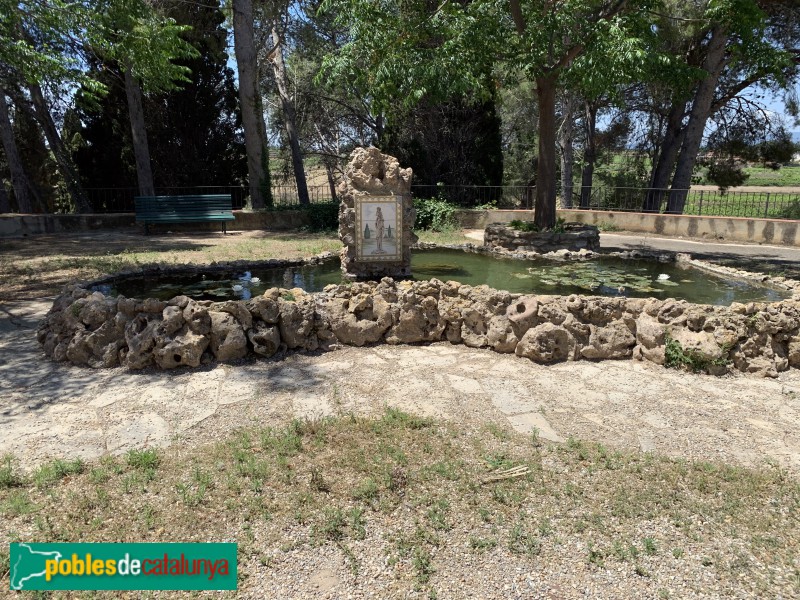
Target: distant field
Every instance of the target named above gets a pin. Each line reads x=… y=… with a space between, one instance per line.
x=785 y=176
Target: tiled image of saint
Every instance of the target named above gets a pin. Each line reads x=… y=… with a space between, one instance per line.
x=378 y=228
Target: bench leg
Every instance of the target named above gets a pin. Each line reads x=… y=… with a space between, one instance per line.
x=224 y=228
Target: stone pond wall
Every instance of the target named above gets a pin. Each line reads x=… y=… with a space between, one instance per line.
x=575 y=237
x=88 y=328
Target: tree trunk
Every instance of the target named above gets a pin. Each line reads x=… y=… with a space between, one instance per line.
x=23 y=191
x=255 y=132
x=565 y=140
x=141 y=150
x=665 y=163
x=63 y=158
x=701 y=110
x=545 y=209
x=589 y=155
x=331 y=181
x=289 y=118
x=5 y=204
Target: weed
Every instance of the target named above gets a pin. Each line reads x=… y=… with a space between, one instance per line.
x=8 y=475
x=367 y=490
x=641 y=571
x=318 y=482
x=355 y=518
x=649 y=546
x=522 y=542
x=676 y=357
x=423 y=565
x=397 y=418
x=446 y=470
x=482 y=544
x=497 y=431
x=50 y=473
x=288 y=296
x=332 y=525
x=17 y=503
x=607 y=226
x=437 y=515
x=596 y=555
x=677 y=552
x=523 y=225
x=145 y=460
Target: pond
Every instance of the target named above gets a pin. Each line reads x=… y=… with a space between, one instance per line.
x=606 y=276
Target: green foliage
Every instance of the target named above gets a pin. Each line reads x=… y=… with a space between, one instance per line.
x=676 y=357
x=8 y=475
x=147 y=459
x=323 y=216
x=50 y=473
x=519 y=225
x=44 y=43
x=523 y=225
x=434 y=214
x=726 y=174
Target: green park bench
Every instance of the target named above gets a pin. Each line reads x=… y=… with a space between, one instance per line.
x=184 y=209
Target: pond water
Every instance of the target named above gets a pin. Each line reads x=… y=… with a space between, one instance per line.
x=604 y=277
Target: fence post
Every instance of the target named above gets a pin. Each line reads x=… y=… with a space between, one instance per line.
x=766 y=206
x=700 y=207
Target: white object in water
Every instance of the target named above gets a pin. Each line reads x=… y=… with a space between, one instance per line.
x=663 y=276
x=255 y=280
x=237 y=288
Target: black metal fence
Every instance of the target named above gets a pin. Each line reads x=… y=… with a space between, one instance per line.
x=474 y=196
x=114 y=200
x=765 y=205
x=772 y=204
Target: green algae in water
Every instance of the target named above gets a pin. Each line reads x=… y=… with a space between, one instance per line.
x=604 y=277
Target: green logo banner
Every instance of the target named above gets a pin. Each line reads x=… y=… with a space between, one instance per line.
x=136 y=566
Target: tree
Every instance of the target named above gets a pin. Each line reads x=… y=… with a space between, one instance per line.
x=255 y=133
x=726 y=46
x=276 y=58
x=23 y=190
x=415 y=55
x=192 y=132
x=52 y=37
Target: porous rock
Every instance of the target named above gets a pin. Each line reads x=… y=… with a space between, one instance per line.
x=547 y=343
x=228 y=341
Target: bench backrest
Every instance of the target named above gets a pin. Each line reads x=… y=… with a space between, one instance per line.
x=183 y=206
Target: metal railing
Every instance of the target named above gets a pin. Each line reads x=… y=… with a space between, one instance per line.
x=472 y=196
x=765 y=205
x=112 y=200
x=773 y=204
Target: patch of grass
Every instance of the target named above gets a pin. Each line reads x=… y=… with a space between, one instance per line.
x=145 y=460
x=438 y=515
x=482 y=544
x=255 y=487
x=8 y=472
x=423 y=565
x=521 y=541
x=367 y=490
x=18 y=502
x=50 y=473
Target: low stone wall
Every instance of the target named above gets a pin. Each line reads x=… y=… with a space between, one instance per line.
x=88 y=328
x=25 y=225
x=574 y=238
x=734 y=229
